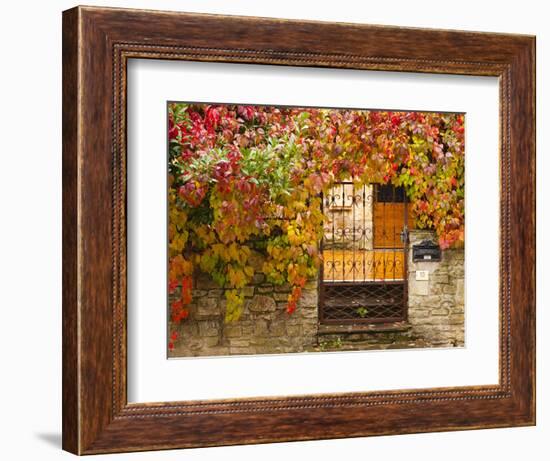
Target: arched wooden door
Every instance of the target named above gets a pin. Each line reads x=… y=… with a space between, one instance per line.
x=364 y=271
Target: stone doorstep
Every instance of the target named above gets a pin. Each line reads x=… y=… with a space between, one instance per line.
x=391 y=327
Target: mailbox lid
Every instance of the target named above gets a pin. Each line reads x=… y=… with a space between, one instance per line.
x=426 y=250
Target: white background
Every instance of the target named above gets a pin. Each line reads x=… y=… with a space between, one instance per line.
x=153 y=378
x=30 y=243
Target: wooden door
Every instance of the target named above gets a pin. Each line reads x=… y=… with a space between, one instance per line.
x=390 y=214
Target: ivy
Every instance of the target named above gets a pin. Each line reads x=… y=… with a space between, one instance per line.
x=250 y=178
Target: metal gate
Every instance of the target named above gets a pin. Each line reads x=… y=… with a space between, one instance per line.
x=364 y=247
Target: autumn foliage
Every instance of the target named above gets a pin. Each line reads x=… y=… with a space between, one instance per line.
x=250 y=178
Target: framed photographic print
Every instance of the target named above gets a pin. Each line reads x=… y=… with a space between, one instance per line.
x=284 y=230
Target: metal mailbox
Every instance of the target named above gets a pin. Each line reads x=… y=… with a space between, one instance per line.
x=426 y=251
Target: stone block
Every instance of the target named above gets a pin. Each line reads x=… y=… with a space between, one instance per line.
x=208 y=328
x=457 y=309
x=239 y=342
x=309 y=329
x=277 y=328
x=247 y=328
x=312 y=284
x=260 y=328
x=416 y=302
x=419 y=288
x=417 y=235
x=292 y=319
x=265 y=288
x=309 y=298
x=457 y=272
x=207 y=307
x=447 y=300
x=211 y=341
x=436 y=289
x=294 y=330
x=261 y=303
x=448 y=289
x=440 y=278
x=308 y=312
x=241 y=350
x=280 y=296
x=459 y=293
x=232 y=330
x=418 y=313
x=258 y=342
x=456 y=319
x=195 y=345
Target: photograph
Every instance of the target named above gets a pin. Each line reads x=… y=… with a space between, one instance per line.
x=313 y=229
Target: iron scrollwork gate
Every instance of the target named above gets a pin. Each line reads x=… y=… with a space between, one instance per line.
x=364 y=271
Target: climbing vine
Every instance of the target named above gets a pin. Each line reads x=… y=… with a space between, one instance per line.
x=249 y=178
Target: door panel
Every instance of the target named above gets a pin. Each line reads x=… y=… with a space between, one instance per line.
x=361 y=265
x=388 y=224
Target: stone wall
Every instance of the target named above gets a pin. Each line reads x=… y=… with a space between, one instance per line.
x=264 y=326
x=436 y=306
x=435 y=316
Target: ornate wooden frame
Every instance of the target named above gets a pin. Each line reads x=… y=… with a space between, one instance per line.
x=97 y=43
